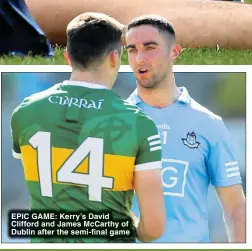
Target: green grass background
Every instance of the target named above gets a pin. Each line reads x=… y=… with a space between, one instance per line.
x=188 y=56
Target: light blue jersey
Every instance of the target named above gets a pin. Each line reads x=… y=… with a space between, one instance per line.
x=196 y=150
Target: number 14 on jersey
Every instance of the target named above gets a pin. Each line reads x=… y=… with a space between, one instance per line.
x=92 y=147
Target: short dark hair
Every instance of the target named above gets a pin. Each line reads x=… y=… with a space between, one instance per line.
x=92 y=36
x=158 y=22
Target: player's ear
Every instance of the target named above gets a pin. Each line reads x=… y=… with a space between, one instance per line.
x=67 y=57
x=113 y=58
x=175 y=51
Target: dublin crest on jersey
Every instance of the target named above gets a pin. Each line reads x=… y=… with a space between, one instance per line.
x=190 y=140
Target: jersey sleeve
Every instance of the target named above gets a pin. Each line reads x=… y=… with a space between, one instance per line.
x=222 y=164
x=16 y=151
x=149 y=147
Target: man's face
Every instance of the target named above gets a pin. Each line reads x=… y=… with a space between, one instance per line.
x=149 y=55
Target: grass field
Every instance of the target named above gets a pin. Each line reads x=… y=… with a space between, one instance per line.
x=188 y=57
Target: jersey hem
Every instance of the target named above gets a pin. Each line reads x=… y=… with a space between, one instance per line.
x=148 y=166
x=16 y=155
x=226 y=184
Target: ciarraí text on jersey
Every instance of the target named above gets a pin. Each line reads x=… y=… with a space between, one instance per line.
x=78 y=102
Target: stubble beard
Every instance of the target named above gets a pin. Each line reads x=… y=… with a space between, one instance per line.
x=153 y=83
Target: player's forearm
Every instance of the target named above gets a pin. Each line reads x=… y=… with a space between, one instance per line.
x=146 y=235
x=141 y=235
x=236 y=224
x=198 y=23
x=148 y=232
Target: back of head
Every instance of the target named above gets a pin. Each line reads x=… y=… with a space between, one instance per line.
x=91 y=37
x=156 y=21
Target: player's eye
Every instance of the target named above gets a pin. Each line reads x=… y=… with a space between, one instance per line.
x=132 y=50
x=149 y=48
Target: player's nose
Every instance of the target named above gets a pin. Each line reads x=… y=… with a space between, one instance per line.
x=140 y=58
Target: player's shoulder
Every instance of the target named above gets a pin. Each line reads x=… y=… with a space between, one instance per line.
x=36 y=97
x=203 y=112
x=134 y=110
x=144 y=124
x=133 y=107
x=41 y=95
x=205 y=116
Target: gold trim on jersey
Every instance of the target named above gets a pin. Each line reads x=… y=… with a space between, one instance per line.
x=121 y=168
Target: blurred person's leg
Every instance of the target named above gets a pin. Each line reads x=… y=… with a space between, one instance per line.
x=231 y=0
x=19 y=32
x=198 y=23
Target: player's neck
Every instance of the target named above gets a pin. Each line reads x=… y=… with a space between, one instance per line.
x=161 y=97
x=90 y=77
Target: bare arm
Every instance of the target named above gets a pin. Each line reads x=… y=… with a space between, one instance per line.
x=148 y=187
x=233 y=203
x=198 y=23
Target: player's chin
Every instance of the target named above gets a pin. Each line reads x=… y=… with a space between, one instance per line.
x=145 y=83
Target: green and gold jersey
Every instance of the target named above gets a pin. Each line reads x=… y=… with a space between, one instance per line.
x=80 y=145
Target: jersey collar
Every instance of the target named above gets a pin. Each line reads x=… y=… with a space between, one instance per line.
x=84 y=84
x=183 y=98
